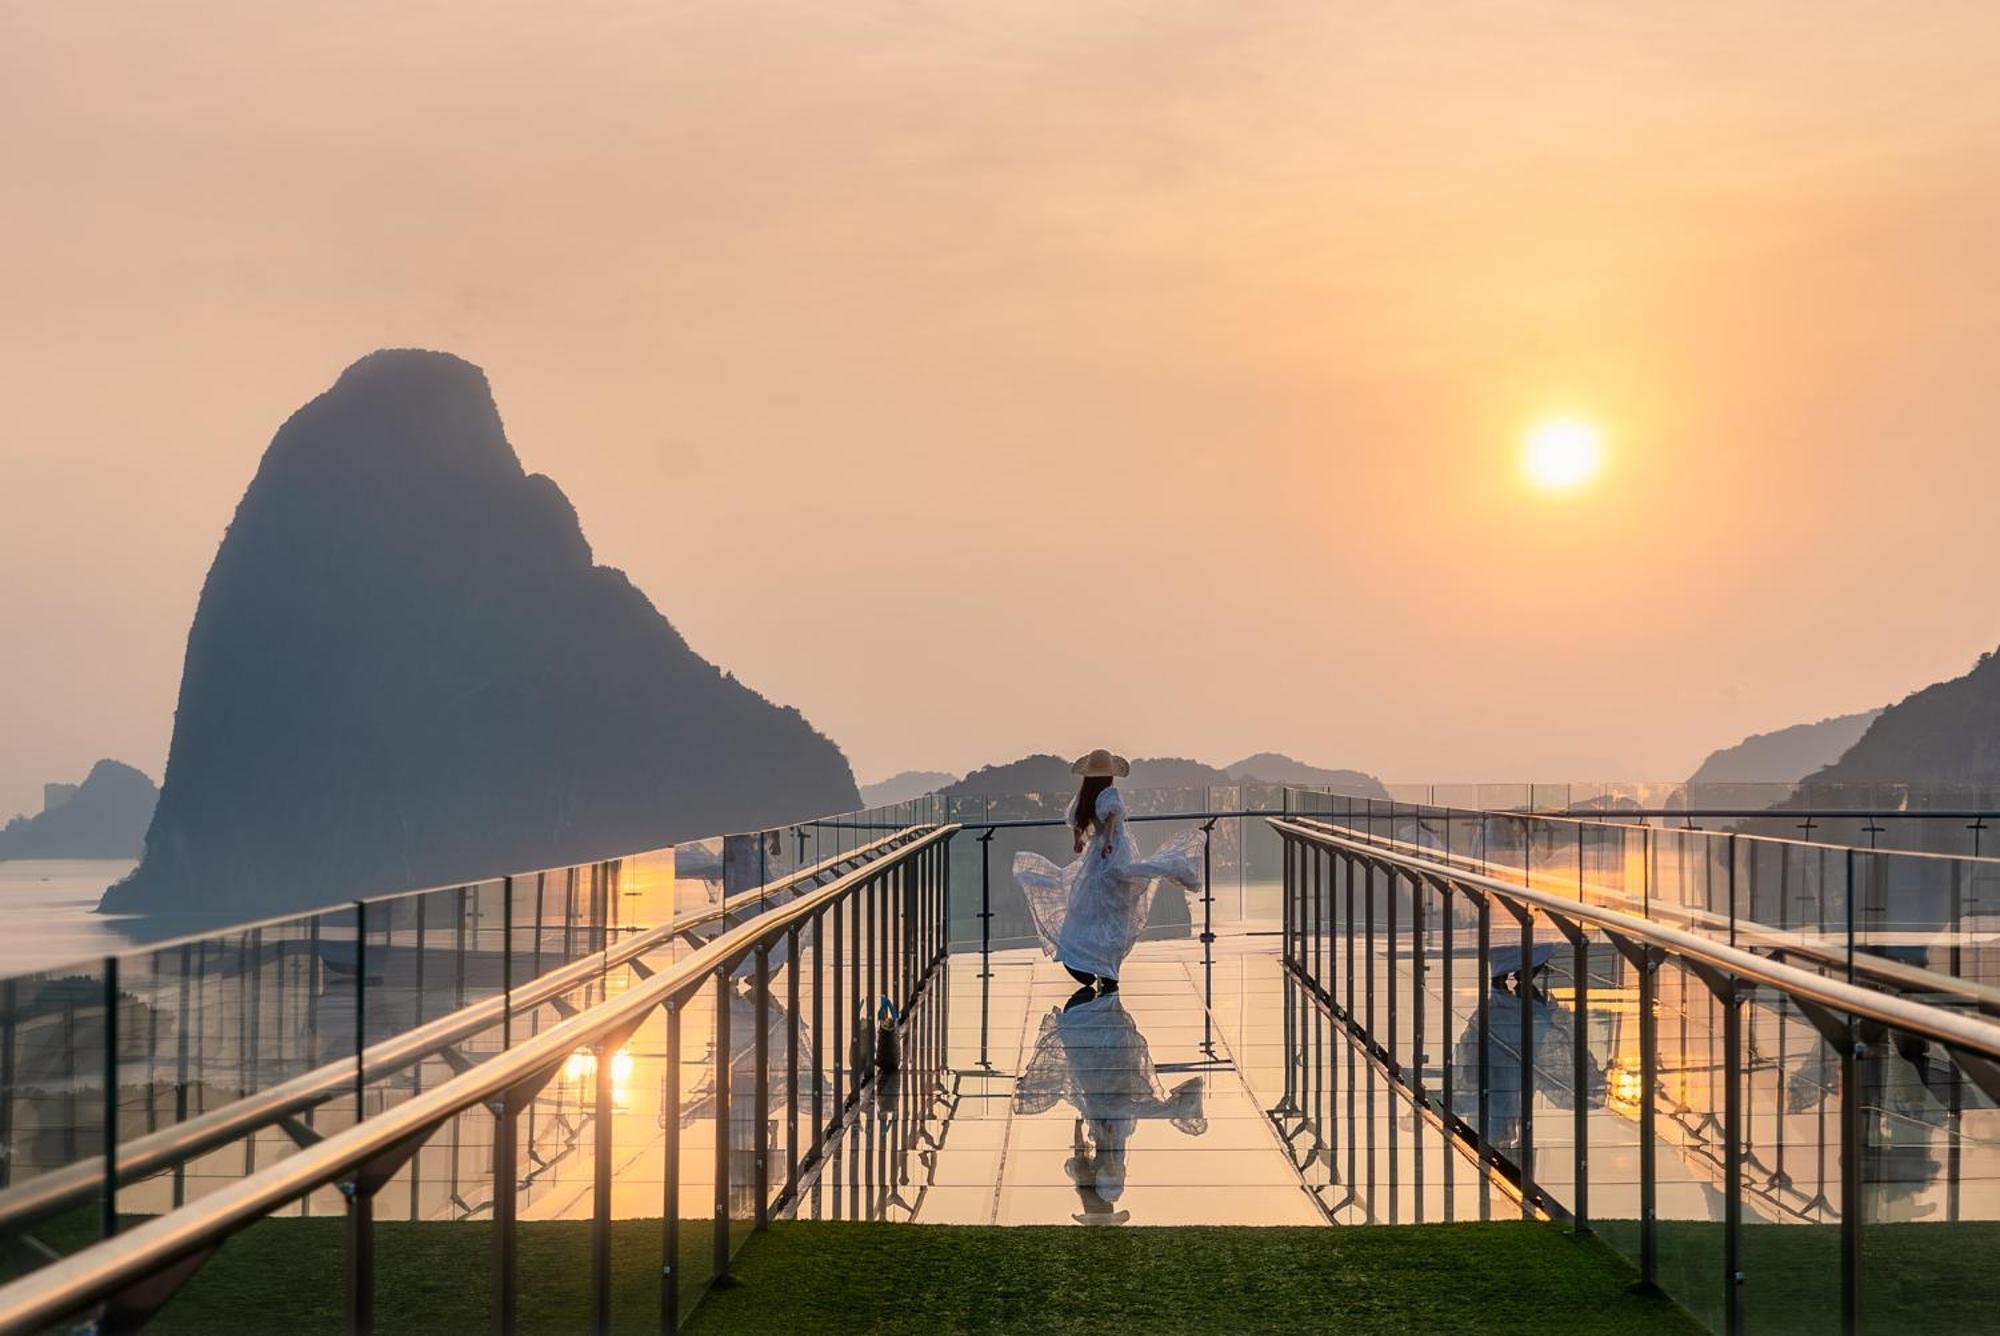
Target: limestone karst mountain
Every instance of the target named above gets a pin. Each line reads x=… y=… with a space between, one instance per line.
x=103 y=817
x=406 y=670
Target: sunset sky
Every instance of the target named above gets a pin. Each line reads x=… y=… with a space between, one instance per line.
x=994 y=377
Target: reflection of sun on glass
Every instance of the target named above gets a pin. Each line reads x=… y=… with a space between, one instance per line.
x=1562 y=453
x=580 y=1069
x=1623 y=1086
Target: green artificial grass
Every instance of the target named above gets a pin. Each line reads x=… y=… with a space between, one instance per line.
x=284 y=1276
x=806 y=1277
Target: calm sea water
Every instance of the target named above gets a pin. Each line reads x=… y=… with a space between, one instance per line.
x=47 y=911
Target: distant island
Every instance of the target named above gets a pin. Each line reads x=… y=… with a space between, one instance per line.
x=103 y=817
x=406 y=670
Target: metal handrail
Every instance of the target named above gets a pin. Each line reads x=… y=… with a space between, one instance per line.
x=970 y=822
x=1977 y=1036
x=76 y=1181
x=109 y=1267
x=1420 y=812
x=1896 y=973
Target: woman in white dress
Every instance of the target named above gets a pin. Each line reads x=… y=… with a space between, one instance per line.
x=1089 y=913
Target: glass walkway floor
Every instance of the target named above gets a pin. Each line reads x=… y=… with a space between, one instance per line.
x=1166 y=1103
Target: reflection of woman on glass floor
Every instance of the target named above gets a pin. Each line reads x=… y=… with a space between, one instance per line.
x=1089 y=913
x=1092 y=1054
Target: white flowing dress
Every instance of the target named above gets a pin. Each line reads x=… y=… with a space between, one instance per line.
x=1089 y=913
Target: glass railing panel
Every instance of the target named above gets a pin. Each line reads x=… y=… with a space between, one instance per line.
x=696 y=1135
x=1614 y=1081
x=1790 y=1173
x=1688 y=1152
x=53 y=1044
x=208 y=1022
x=698 y=871
x=639 y=1170
x=1549 y=1001
x=1931 y=1191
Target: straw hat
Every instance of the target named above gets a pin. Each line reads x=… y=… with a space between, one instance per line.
x=1101 y=764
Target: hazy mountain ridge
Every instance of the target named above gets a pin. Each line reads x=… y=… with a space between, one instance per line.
x=905 y=785
x=405 y=670
x=1044 y=772
x=1785 y=755
x=106 y=817
x=1278 y=768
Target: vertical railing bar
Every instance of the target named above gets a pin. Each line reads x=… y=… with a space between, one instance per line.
x=719 y=1273
x=1524 y=983
x=506 y=1198
x=670 y=1208
x=600 y=1197
x=761 y=1124
x=108 y=1219
x=360 y=1006
x=1732 y=1000
x=1649 y=1063
x=792 y=942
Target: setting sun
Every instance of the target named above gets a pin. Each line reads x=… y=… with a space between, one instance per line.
x=1562 y=453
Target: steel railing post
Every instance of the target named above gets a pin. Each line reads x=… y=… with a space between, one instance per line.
x=360 y=1005
x=600 y=1195
x=1580 y=1075
x=1391 y=880
x=506 y=1209
x=1368 y=953
x=360 y=1260
x=818 y=1034
x=1418 y=1003
x=108 y=1219
x=1484 y=948
x=1649 y=1077
x=1450 y=1107
x=1732 y=999
x=840 y=1048
x=670 y=1207
x=857 y=945
x=792 y=947
x=1852 y=1205
x=1287 y=862
x=720 y=1254
x=1524 y=983
x=507 y=963
x=1347 y=929
x=761 y=1126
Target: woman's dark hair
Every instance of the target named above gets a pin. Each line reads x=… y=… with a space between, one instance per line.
x=1086 y=801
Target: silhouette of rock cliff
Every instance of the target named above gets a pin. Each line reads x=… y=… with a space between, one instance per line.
x=105 y=818
x=1946 y=736
x=405 y=670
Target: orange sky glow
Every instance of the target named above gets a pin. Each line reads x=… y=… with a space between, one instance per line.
x=1165 y=367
